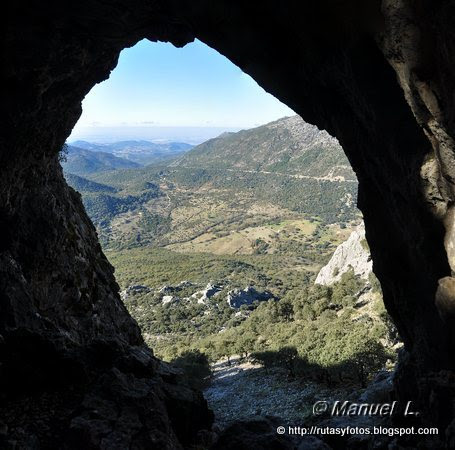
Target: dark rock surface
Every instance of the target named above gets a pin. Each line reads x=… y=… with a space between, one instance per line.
x=74 y=371
x=260 y=433
x=378 y=75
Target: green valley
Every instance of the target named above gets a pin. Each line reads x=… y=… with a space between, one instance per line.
x=217 y=250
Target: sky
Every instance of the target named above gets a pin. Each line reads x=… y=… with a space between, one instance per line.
x=160 y=92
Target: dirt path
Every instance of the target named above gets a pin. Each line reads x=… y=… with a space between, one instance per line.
x=338 y=178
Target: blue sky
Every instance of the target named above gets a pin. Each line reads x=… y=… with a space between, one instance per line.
x=157 y=88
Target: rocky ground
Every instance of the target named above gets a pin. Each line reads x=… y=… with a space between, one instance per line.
x=244 y=390
x=250 y=402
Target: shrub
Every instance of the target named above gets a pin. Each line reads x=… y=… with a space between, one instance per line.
x=195 y=366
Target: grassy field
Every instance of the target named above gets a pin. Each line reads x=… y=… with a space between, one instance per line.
x=155 y=267
x=243 y=240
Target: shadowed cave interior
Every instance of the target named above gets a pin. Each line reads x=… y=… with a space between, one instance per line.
x=379 y=77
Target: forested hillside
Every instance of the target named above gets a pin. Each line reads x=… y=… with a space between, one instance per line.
x=284 y=170
x=288 y=146
x=217 y=251
x=79 y=161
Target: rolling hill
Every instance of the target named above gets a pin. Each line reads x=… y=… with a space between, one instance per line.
x=80 y=161
x=81 y=184
x=142 y=152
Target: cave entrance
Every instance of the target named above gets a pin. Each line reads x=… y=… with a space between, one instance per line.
x=217 y=213
x=358 y=70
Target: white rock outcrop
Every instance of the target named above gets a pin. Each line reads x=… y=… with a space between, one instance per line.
x=168 y=299
x=211 y=290
x=236 y=298
x=351 y=254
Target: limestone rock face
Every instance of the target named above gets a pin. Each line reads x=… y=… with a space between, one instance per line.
x=351 y=254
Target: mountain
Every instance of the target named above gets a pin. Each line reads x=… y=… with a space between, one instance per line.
x=81 y=184
x=285 y=170
x=80 y=161
x=142 y=152
x=288 y=146
x=217 y=252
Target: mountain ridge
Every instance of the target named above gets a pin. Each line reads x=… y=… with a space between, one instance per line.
x=79 y=161
x=140 y=151
x=288 y=145
x=245 y=176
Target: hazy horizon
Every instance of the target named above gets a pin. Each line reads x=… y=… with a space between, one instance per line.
x=160 y=92
x=189 y=135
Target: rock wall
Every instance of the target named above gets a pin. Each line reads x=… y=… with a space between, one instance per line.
x=377 y=75
x=352 y=254
x=74 y=371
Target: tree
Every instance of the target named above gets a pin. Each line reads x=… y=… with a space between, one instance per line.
x=224 y=347
x=195 y=366
x=368 y=361
x=285 y=310
x=287 y=357
x=245 y=344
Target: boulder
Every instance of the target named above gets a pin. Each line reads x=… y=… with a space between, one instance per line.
x=133 y=290
x=211 y=290
x=236 y=298
x=168 y=299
